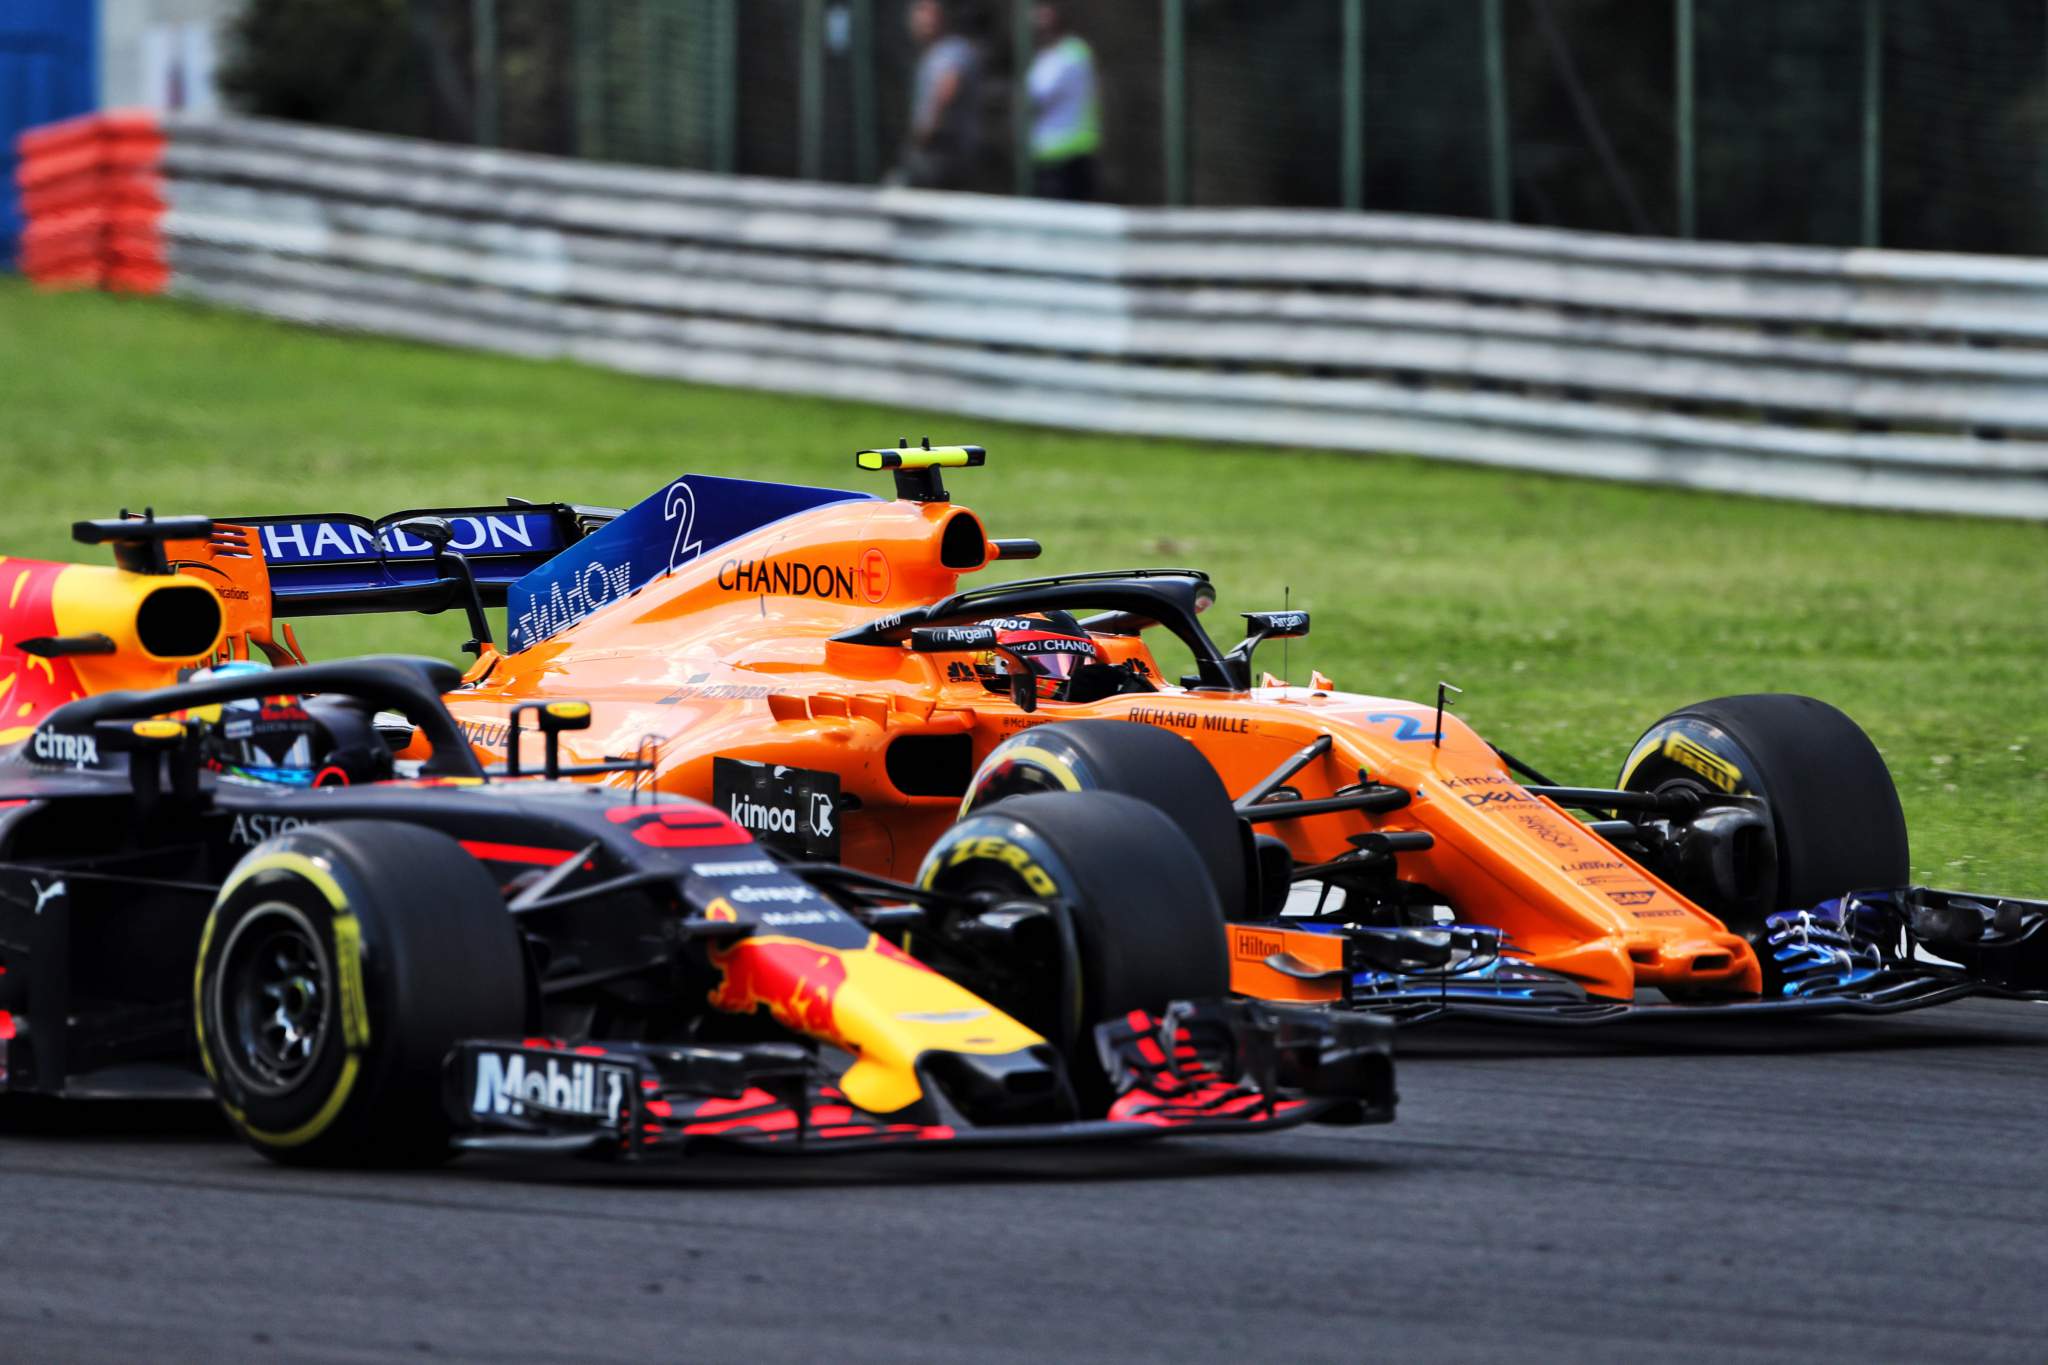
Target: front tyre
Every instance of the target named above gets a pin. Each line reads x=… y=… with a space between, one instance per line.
x=339 y=966
x=1834 y=812
x=1147 y=928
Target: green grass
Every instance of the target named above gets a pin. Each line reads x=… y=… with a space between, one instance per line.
x=1572 y=612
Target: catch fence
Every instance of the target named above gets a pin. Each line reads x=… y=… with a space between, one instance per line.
x=1908 y=123
x=1852 y=376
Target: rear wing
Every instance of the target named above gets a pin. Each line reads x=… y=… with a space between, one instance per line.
x=548 y=564
x=338 y=563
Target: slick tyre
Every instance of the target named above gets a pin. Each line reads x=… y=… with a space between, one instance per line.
x=1156 y=766
x=1834 y=811
x=339 y=965
x=1146 y=928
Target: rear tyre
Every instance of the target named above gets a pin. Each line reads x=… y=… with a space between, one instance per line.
x=1156 y=766
x=1146 y=926
x=1834 y=810
x=339 y=966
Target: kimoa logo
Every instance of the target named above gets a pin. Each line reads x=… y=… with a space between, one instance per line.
x=250 y=830
x=748 y=813
x=53 y=746
x=506 y=1084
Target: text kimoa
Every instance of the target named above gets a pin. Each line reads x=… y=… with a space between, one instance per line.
x=751 y=814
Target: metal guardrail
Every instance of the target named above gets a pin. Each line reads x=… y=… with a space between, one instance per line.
x=1865 y=377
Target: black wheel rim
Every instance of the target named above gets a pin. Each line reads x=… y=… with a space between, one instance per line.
x=1029 y=991
x=274 y=999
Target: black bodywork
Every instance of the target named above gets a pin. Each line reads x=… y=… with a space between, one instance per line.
x=116 y=837
x=111 y=855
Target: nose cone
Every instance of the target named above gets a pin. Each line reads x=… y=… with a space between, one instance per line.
x=1708 y=962
x=1025 y=1086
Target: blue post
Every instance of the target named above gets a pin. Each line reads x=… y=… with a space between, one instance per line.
x=52 y=47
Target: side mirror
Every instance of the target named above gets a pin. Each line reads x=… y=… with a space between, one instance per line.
x=953 y=639
x=551 y=718
x=1276 y=625
x=1260 y=626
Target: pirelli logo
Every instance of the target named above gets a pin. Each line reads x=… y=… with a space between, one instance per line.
x=1699 y=759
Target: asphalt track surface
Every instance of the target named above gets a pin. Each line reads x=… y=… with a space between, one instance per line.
x=1836 y=1190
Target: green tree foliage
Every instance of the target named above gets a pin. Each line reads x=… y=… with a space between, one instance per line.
x=349 y=62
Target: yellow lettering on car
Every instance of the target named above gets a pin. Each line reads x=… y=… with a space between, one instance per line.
x=1708 y=764
x=1000 y=850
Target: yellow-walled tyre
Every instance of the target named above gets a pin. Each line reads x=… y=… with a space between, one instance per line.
x=1146 y=928
x=1156 y=766
x=1836 y=821
x=339 y=965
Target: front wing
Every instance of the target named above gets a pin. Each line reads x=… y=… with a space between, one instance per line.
x=1869 y=953
x=1219 y=1067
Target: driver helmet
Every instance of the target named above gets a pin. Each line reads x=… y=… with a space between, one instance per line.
x=1053 y=645
x=289 y=740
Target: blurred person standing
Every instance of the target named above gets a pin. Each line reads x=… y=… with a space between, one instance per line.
x=945 y=103
x=1066 y=116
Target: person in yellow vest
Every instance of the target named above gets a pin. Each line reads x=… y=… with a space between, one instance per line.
x=1066 y=116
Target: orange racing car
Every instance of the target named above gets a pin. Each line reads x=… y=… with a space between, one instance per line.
x=806 y=660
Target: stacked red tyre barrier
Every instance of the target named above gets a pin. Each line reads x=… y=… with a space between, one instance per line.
x=92 y=197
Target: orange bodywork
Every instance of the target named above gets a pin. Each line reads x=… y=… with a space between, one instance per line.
x=1253 y=946
x=730 y=655
x=231 y=563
